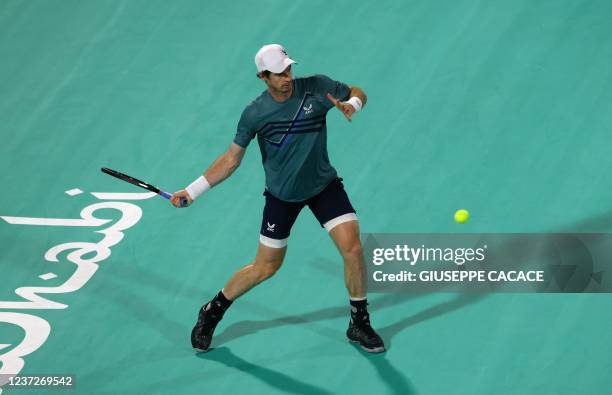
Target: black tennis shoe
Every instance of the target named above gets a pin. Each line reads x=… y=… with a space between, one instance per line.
x=202 y=332
x=360 y=331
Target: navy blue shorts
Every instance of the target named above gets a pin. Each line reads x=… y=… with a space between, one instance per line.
x=331 y=207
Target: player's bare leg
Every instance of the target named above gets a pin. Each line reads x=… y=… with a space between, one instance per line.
x=346 y=237
x=267 y=261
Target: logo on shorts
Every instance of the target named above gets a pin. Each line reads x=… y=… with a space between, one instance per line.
x=270 y=227
x=308 y=110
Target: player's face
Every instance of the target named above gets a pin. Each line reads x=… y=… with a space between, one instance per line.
x=280 y=82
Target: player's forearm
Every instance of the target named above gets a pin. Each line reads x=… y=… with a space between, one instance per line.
x=222 y=168
x=358 y=92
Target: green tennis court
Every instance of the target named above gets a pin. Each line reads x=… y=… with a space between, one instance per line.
x=502 y=107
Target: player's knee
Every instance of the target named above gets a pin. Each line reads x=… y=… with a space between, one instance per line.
x=353 y=250
x=266 y=273
x=269 y=272
x=268 y=269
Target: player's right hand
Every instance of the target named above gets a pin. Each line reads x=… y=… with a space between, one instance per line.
x=179 y=196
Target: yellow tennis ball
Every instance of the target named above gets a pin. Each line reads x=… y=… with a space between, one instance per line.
x=461 y=216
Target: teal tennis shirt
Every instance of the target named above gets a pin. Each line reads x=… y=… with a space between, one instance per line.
x=292 y=137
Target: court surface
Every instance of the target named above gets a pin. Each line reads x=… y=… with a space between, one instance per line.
x=503 y=108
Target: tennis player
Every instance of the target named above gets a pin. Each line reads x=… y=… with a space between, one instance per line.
x=288 y=119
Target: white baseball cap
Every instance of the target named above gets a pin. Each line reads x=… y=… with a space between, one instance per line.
x=272 y=57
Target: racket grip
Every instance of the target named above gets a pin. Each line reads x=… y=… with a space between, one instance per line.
x=184 y=201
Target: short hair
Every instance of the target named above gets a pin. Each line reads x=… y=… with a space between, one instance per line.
x=265 y=73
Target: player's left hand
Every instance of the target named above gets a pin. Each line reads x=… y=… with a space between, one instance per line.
x=343 y=106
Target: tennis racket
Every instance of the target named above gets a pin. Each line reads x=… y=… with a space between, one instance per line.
x=142 y=184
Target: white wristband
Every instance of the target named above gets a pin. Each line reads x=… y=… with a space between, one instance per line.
x=198 y=187
x=355 y=102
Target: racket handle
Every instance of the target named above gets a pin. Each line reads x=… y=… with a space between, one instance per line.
x=184 y=201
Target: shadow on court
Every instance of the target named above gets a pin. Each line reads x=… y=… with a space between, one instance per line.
x=396 y=380
x=389 y=374
x=596 y=224
x=249 y=327
x=271 y=377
